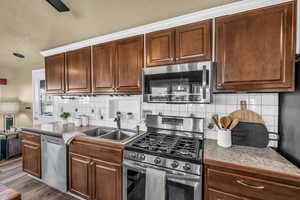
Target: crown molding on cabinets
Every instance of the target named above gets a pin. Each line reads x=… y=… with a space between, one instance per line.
x=228 y=9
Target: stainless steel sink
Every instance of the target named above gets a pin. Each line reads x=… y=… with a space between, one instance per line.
x=112 y=134
x=98 y=132
x=118 y=135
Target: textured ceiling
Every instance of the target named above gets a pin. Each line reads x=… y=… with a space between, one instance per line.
x=30 y=26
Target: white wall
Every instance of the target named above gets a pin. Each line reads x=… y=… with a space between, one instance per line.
x=19 y=88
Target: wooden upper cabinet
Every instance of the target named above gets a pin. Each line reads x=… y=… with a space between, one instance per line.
x=160 y=47
x=183 y=44
x=193 y=42
x=255 y=50
x=103 y=68
x=129 y=64
x=55 y=74
x=78 y=71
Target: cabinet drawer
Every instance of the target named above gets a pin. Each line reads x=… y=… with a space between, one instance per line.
x=104 y=153
x=32 y=137
x=218 y=195
x=250 y=187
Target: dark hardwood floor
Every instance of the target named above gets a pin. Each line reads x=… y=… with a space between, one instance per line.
x=11 y=175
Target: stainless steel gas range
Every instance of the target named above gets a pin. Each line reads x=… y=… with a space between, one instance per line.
x=171 y=144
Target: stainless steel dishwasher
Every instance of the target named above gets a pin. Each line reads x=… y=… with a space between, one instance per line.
x=54 y=162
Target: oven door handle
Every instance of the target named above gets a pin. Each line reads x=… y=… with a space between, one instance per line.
x=142 y=169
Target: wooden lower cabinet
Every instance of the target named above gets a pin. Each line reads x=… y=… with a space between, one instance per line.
x=107 y=181
x=94 y=179
x=218 y=195
x=31 y=150
x=79 y=175
x=93 y=175
x=236 y=184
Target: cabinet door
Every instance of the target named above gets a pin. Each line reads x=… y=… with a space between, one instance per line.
x=31 y=153
x=55 y=74
x=103 y=69
x=129 y=64
x=78 y=71
x=193 y=42
x=255 y=50
x=160 y=48
x=218 y=195
x=107 y=181
x=80 y=168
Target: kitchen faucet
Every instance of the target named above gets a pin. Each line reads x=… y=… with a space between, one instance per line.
x=118 y=120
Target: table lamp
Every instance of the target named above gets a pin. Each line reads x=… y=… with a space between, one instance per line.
x=8 y=109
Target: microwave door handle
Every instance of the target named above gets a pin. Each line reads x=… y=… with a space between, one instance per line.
x=204 y=80
x=142 y=169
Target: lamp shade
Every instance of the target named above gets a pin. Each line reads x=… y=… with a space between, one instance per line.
x=12 y=107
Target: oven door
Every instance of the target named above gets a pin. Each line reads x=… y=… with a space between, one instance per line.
x=180 y=186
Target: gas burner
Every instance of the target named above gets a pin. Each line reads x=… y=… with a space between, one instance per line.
x=143 y=145
x=172 y=143
x=172 y=146
x=184 y=152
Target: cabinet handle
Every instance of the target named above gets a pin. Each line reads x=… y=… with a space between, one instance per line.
x=241 y=182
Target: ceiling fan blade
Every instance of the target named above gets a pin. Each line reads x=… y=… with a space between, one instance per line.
x=58 y=5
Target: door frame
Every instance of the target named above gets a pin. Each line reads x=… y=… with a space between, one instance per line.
x=37 y=118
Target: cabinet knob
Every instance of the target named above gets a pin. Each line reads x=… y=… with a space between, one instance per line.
x=157 y=160
x=187 y=167
x=175 y=164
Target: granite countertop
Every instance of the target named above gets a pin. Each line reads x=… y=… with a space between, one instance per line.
x=259 y=158
x=57 y=129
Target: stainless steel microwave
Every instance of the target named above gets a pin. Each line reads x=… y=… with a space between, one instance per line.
x=181 y=83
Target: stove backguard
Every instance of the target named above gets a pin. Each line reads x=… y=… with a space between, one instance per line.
x=175 y=123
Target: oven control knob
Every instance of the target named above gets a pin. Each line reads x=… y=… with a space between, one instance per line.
x=175 y=164
x=187 y=167
x=142 y=157
x=157 y=160
x=133 y=155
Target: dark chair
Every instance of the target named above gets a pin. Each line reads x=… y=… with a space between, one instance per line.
x=10 y=145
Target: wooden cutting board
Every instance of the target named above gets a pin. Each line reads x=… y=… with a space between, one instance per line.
x=245 y=115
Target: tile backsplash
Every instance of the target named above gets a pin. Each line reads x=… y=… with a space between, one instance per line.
x=102 y=109
x=264 y=104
